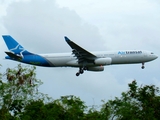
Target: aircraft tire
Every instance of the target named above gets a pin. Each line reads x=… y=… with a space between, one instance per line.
x=143 y=67
x=81 y=71
x=77 y=74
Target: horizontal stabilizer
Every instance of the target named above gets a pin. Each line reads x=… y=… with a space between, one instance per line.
x=13 y=56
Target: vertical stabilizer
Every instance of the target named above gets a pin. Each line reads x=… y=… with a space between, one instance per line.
x=14 y=46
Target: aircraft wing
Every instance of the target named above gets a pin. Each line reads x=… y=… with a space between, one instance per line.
x=81 y=54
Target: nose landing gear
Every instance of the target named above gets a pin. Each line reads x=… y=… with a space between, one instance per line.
x=142 y=66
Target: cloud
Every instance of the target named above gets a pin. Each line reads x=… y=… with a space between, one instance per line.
x=132 y=23
x=91 y=87
x=44 y=24
x=40 y=26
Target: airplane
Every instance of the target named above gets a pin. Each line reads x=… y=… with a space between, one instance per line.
x=79 y=57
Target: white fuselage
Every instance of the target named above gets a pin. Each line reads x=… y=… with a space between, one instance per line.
x=117 y=57
x=79 y=57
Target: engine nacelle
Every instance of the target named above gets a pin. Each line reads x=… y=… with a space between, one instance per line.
x=97 y=68
x=103 y=61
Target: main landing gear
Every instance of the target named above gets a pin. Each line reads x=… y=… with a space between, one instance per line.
x=142 y=66
x=81 y=71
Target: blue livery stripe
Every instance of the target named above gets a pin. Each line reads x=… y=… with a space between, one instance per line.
x=36 y=60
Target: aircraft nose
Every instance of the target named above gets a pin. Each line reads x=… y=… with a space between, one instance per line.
x=155 y=56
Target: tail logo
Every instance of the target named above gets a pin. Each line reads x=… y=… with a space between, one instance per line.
x=18 y=50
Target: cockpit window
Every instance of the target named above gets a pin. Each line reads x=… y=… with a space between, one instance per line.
x=152 y=53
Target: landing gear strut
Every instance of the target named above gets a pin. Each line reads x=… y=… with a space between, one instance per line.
x=81 y=71
x=142 y=66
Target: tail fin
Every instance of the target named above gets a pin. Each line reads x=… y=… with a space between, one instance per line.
x=14 y=46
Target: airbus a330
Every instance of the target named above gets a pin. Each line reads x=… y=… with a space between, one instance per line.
x=79 y=57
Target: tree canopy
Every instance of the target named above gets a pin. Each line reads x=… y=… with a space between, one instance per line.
x=20 y=99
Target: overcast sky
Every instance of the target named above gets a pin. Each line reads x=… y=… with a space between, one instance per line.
x=40 y=26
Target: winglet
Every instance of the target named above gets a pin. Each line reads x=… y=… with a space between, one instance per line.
x=67 y=39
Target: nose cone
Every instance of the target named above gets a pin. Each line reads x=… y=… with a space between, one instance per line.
x=155 y=57
x=151 y=56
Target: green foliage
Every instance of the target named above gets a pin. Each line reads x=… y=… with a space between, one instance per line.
x=18 y=87
x=73 y=106
x=139 y=103
x=65 y=108
x=21 y=100
x=93 y=114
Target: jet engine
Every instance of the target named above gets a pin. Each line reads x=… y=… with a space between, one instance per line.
x=97 y=68
x=103 y=61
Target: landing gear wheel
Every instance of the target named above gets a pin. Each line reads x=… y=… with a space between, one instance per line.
x=81 y=71
x=142 y=66
x=84 y=68
x=77 y=74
